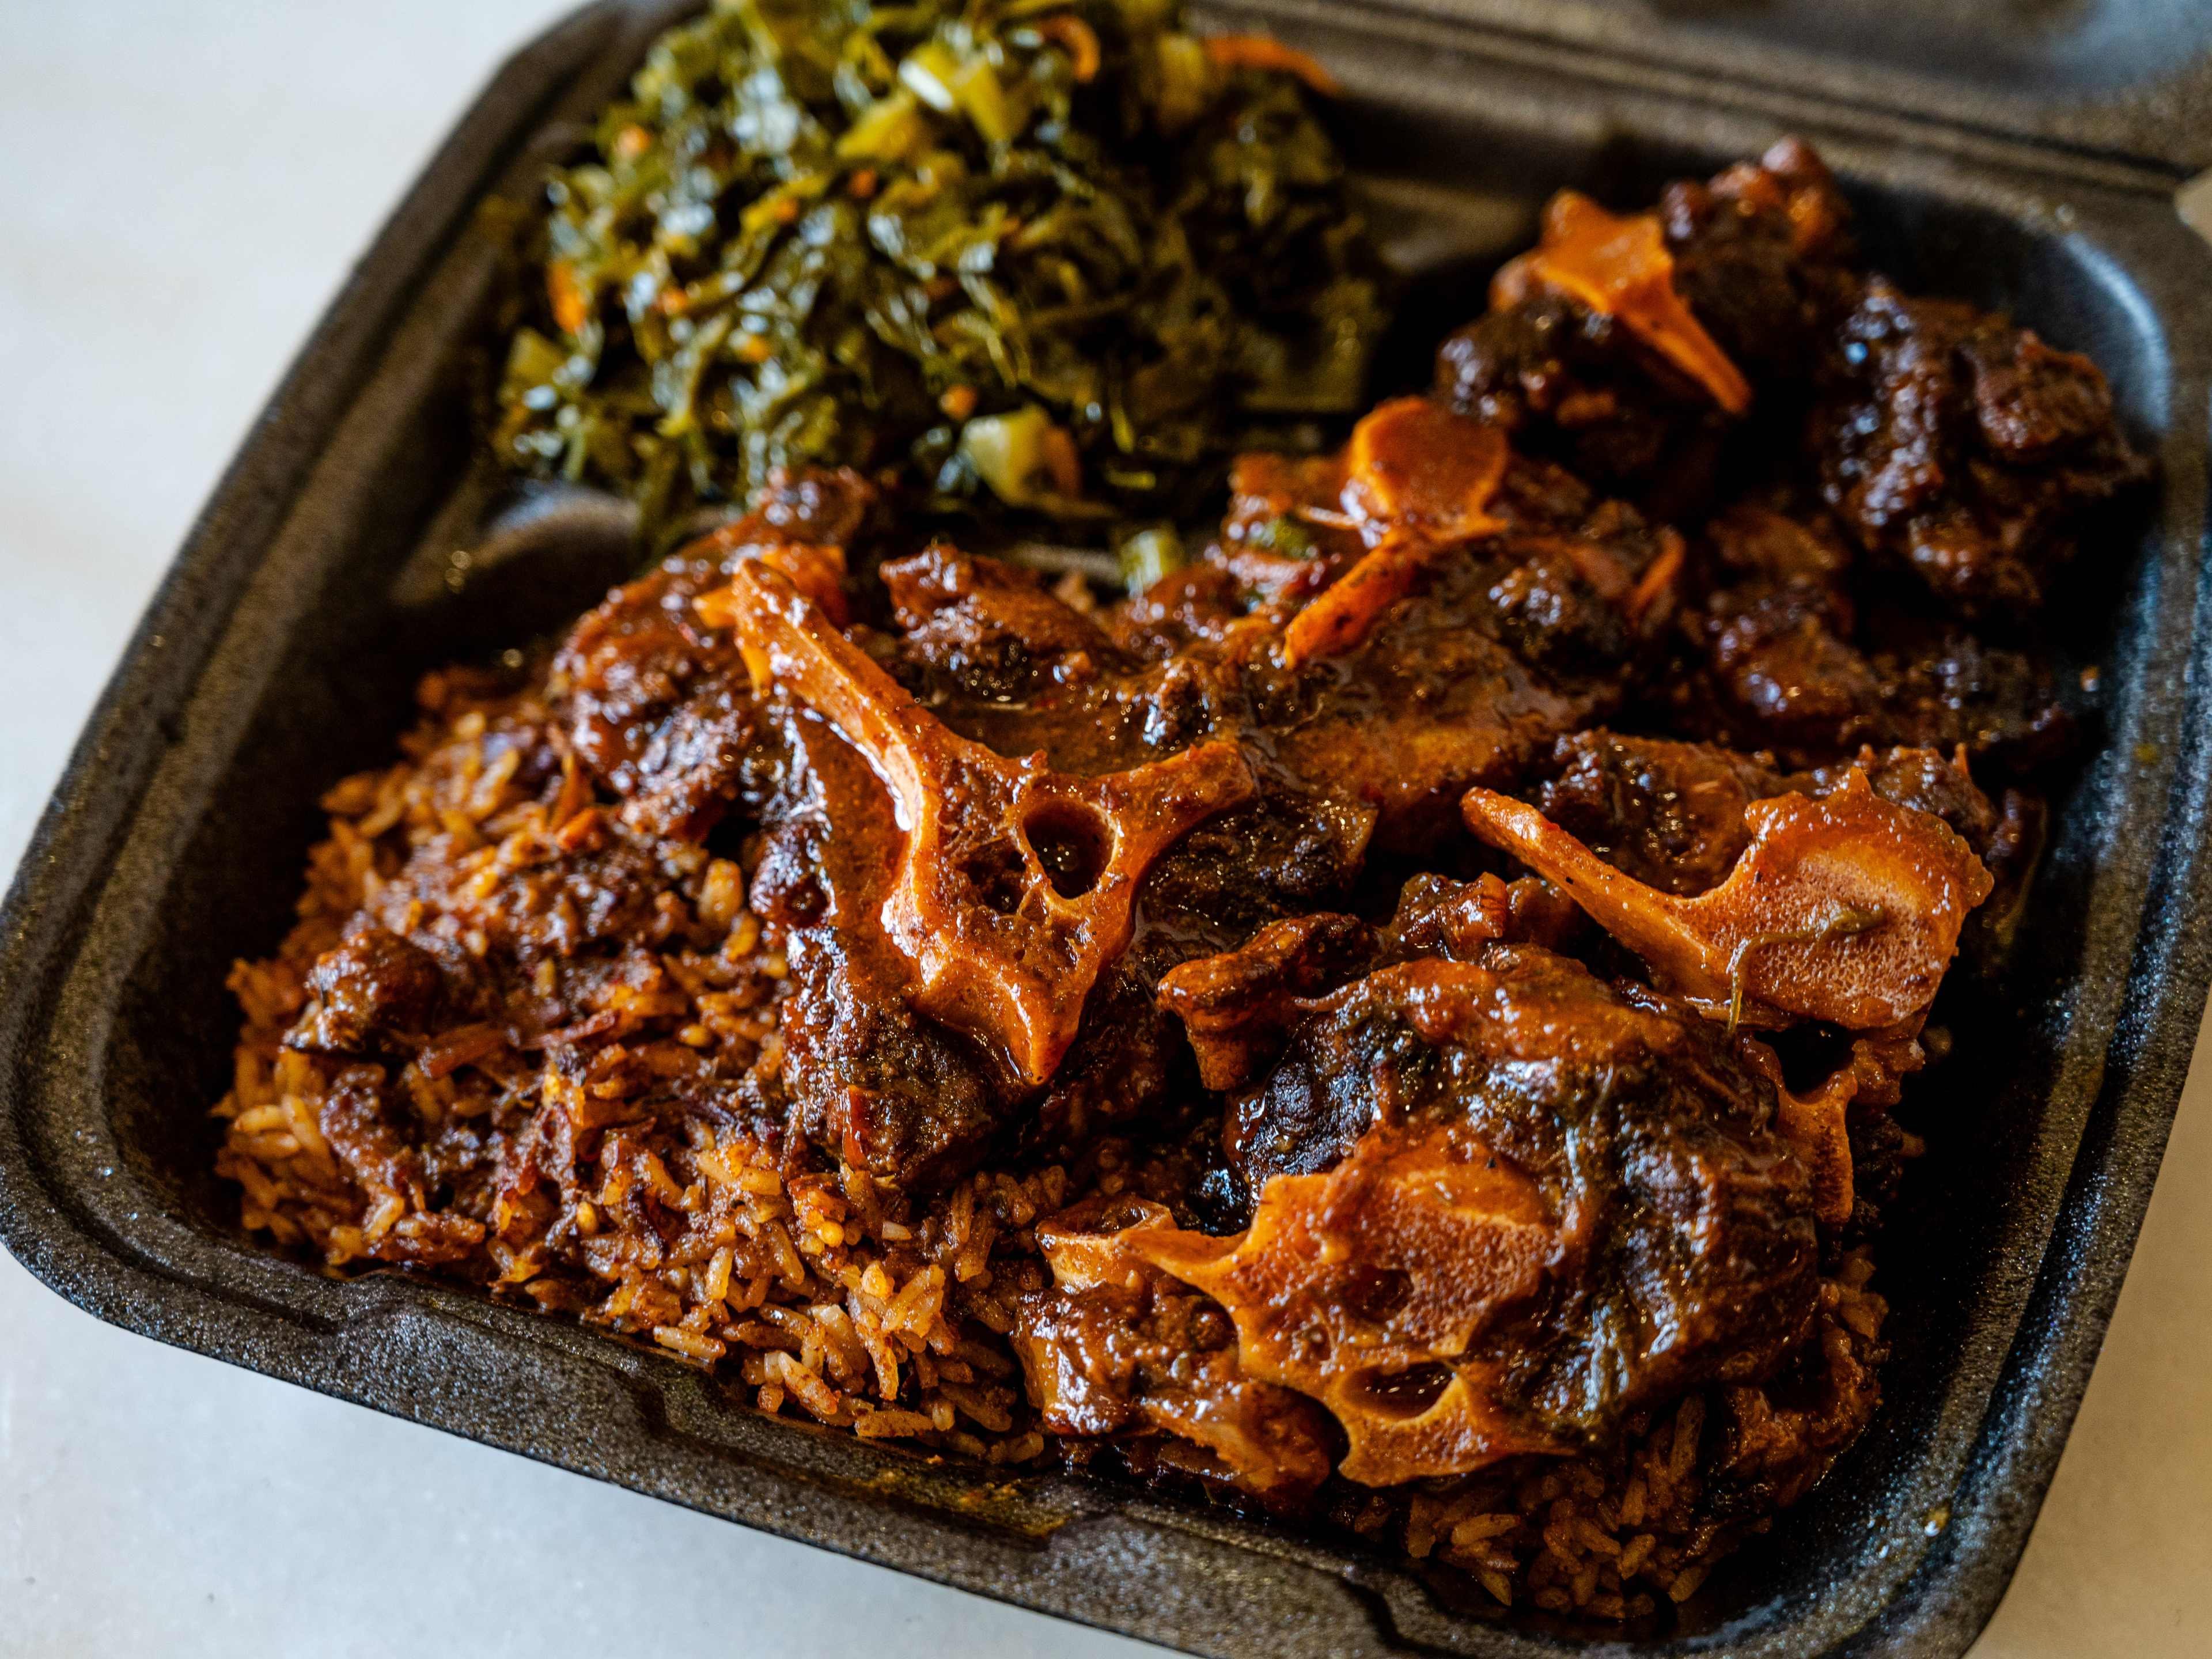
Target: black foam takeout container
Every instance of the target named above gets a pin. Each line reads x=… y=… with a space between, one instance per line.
x=353 y=544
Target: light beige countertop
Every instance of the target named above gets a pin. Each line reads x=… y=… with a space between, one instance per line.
x=188 y=180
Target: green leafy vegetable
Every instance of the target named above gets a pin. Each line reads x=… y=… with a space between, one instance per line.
x=1051 y=256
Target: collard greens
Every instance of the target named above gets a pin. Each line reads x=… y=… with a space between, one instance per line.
x=1027 y=258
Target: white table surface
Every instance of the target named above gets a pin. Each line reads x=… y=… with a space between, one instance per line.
x=186 y=184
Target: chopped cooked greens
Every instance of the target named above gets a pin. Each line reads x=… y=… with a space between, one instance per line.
x=1056 y=256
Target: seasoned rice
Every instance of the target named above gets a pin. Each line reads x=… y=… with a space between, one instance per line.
x=811 y=1293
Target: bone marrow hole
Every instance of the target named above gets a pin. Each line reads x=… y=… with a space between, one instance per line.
x=1374 y=1293
x=1405 y=1393
x=1072 y=842
x=996 y=876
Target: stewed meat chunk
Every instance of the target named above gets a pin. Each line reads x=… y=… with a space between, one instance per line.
x=1623 y=349
x=1961 y=447
x=1498 y=1205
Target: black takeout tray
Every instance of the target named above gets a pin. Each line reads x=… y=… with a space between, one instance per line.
x=323 y=578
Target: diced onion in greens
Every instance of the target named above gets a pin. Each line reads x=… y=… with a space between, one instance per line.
x=1022 y=456
x=1149 y=555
